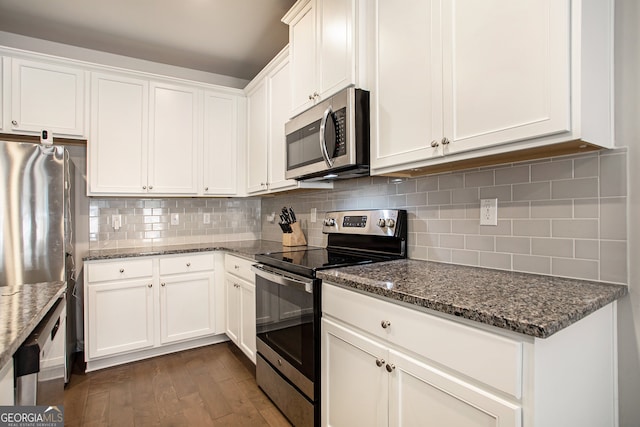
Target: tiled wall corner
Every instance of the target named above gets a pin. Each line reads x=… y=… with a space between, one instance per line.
x=147 y=222
x=563 y=216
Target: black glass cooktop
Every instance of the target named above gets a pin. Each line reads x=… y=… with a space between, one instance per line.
x=307 y=261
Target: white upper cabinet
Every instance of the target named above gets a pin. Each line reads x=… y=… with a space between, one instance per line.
x=162 y=138
x=175 y=139
x=456 y=80
x=46 y=96
x=327 y=45
x=221 y=128
x=268 y=106
x=257 y=144
x=117 y=148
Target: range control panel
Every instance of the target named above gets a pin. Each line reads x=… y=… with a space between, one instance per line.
x=374 y=222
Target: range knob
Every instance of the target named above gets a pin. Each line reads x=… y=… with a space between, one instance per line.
x=382 y=223
x=329 y=222
x=391 y=223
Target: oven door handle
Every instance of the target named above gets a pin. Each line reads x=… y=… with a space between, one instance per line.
x=276 y=277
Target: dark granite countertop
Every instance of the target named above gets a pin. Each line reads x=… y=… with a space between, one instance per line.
x=243 y=248
x=525 y=303
x=21 y=309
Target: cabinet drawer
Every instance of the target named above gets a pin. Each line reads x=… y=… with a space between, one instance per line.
x=459 y=347
x=119 y=269
x=240 y=267
x=186 y=263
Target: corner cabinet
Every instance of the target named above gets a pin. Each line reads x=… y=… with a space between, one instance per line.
x=328 y=48
x=268 y=106
x=466 y=80
x=44 y=95
x=163 y=138
x=240 y=291
x=147 y=306
x=387 y=364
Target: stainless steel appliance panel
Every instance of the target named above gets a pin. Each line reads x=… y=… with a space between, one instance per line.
x=32 y=227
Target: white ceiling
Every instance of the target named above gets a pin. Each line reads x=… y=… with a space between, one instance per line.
x=229 y=37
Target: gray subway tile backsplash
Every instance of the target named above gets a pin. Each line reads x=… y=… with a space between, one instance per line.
x=564 y=216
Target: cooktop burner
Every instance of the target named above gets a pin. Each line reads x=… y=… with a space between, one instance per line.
x=308 y=261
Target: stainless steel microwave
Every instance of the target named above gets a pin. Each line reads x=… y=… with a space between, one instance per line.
x=331 y=139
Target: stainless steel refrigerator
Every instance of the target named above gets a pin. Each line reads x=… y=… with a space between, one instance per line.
x=36 y=223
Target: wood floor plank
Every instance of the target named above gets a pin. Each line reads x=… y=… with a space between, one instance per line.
x=208 y=386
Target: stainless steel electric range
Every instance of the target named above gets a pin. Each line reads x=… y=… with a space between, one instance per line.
x=288 y=303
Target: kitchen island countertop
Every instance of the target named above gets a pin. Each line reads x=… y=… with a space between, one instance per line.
x=21 y=309
x=529 y=304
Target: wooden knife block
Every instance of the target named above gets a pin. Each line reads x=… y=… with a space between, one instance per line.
x=295 y=238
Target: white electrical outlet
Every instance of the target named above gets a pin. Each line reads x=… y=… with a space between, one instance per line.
x=175 y=219
x=489 y=212
x=116 y=222
x=206 y=218
x=314 y=215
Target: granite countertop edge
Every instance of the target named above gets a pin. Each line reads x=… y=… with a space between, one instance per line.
x=244 y=248
x=36 y=312
x=510 y=317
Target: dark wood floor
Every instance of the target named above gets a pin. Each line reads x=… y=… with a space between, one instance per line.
x=209 y=386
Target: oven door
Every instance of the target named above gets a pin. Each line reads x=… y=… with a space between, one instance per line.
x=286 y=324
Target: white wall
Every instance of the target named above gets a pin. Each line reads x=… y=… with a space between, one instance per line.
x=103 y=58
x=628 y=134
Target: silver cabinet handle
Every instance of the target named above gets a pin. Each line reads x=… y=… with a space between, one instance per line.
x=14 y=122
x=188 y=264
x=237 y=267
x=206 y=188
x=390 y=368
x=163 y=284
x=150 y=285
x=434 y=143
x=385 y=324
x=122 y=270
x=316 y=95
x=445 y=141
x=379 y=362
x=144 y=187
x=151 y=187
x=310 y=96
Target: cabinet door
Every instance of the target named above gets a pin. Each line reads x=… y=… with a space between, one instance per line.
x=422 y=395
x=280 y=106
x=220 y=159
x=257 y=139
x=117 y=149
x=406 y=111
x=46 y=96
x=120 y=317
x=336 y=24
x=232 y=305
x=247 y=341
x=175 y=139
x=6 y=384
x=186 y=306
x=506 y=71
x=354 y=387
x=302 y=45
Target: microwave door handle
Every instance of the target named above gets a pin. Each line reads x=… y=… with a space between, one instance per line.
x=323 y=139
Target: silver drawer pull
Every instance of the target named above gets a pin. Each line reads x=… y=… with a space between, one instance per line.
x=150 y=285
x=379 y=362
x=385 y=324
x=122 y=270
x=390 y=368
x=188 y=264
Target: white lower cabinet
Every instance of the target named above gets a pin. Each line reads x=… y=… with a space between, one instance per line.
x=383 y=364
x=7 y=396
x=143 y=307
x=367 y=383
x=241 y=304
